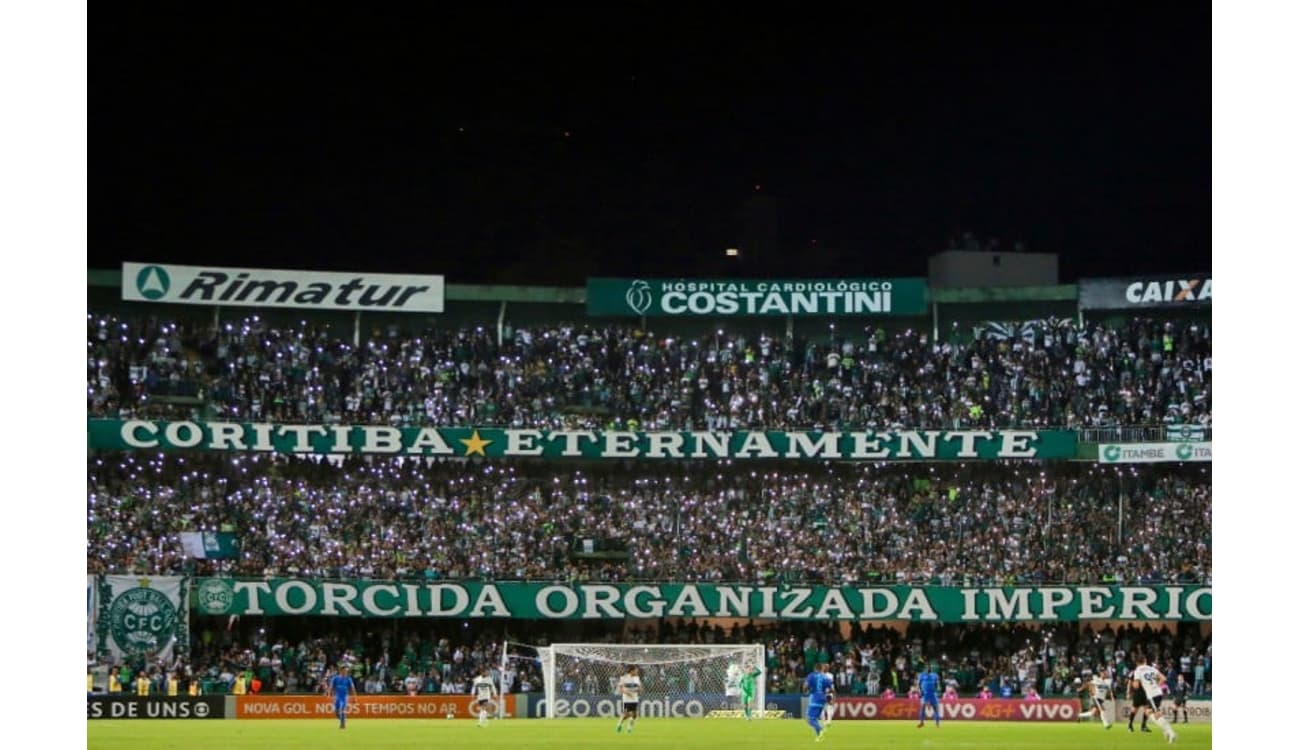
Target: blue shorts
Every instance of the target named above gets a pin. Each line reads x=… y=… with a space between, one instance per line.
x=815 y=710
x=932 y=700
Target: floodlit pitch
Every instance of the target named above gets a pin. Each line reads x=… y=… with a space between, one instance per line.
x=570 y=734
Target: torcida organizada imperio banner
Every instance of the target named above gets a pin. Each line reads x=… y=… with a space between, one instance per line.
x=562 y=601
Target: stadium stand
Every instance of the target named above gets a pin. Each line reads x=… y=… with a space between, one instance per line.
x=981 y=523
x=1144 y=372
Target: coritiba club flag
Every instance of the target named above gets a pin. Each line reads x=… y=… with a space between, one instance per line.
x=142 y=616
x=210 y=545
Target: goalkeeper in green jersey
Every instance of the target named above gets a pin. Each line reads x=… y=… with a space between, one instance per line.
x=748 y=682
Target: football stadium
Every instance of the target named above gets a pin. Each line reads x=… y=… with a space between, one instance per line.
x=960 y=516
x=562 y=376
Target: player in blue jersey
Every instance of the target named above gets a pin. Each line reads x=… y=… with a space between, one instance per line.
x=929 y=684
x=821 y=689
x=342 y=688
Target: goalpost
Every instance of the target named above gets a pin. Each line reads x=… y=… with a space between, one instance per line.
x=519 y=662
x=685 y=680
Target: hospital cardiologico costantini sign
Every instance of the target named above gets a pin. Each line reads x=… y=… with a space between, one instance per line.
x=743 y=297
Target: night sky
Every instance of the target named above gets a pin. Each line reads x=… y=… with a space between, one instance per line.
x=548 y=144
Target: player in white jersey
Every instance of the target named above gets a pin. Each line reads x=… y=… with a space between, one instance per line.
x=1099 y=688
x=629 y=689
x=731 y=685
x=485 y=692
x=1147 y=688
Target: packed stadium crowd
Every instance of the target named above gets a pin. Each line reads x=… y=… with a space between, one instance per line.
x=1052 y=373
x=990 y=523
x=822 y=522
x=1006 y=659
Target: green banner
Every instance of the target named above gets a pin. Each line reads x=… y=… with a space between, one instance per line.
x=728 y=297
x=559 y=601
x=493 y=442
x=1184 y=433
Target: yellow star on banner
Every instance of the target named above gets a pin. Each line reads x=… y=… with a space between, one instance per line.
x=475 y=444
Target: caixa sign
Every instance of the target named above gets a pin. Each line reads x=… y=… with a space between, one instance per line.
x=1159 y=291
x=995 y=709
x=138 y=707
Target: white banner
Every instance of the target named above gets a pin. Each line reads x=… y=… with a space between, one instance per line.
x=1152 y=453
x=192 y=543
x=144 y=616
x=260 y=287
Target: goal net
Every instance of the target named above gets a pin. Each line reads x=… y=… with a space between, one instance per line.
x=694 y=681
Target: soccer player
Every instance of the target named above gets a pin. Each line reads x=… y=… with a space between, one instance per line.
x=342 y=688
x=629 y=687
x=731 y=685
x=1134 y=697
x=485 y=692
x=1099 y=691
x=1180 y=691
x=1146 y=685
x=748 y=682
x=820 y=688
x=929 y=683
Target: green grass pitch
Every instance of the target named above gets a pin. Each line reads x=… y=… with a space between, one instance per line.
x=573 y=734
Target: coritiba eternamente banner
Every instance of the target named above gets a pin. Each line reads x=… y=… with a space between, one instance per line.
x=279 y=596
x=727 y=297
x=492 y=442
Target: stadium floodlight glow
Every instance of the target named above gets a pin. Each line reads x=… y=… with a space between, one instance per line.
x=732 y=252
